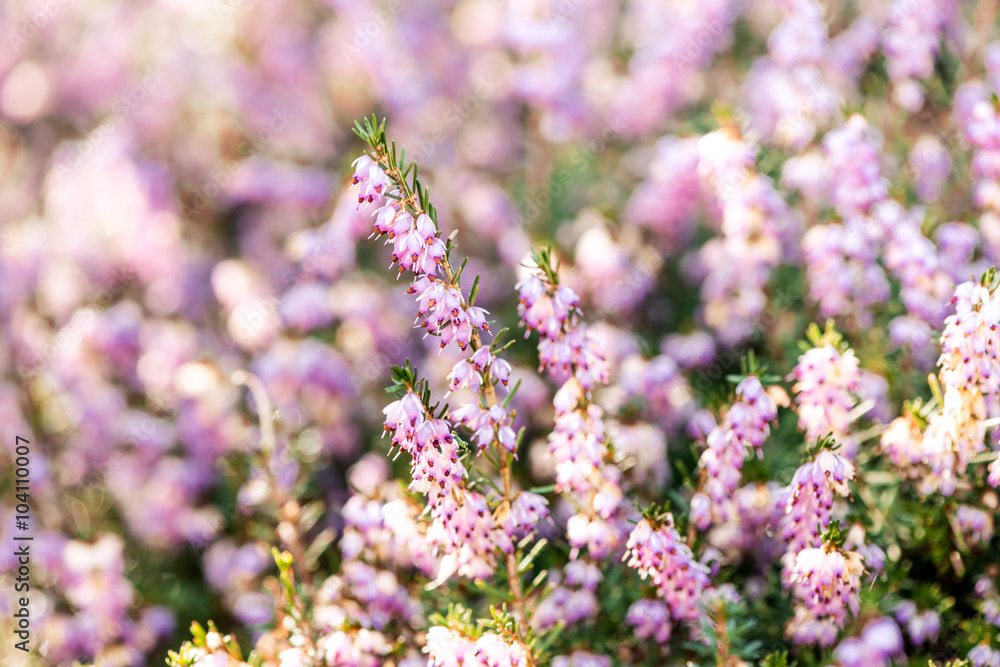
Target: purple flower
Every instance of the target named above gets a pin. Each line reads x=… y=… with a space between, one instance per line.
x=651 y=620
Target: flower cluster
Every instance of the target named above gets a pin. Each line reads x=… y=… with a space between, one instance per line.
x=579 y=443
x=417 y=247
x=845 y=278
x=565 y=347
x=878 y=645
x=825 y=582
x=912 y=41
x=810 y=498
x=657 y=551
x=197 y=336
x=921 y=626
x=955 y=430
x=745 y=426
x=822 y=576
x=447 y=647
x=826 y=383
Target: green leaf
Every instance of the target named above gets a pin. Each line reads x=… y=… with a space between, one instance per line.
x=487 y=587
x=531 y=555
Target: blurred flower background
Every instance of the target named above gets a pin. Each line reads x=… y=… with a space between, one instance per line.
x=712 y=176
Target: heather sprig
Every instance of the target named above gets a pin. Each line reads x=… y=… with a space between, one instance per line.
x=470 y=529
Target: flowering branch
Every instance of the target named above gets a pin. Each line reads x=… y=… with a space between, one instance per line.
x=408 y=219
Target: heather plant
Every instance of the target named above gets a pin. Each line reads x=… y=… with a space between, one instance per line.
x=616 y=333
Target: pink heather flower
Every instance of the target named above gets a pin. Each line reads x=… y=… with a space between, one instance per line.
x=956 y=243
x=465 y=532
x=651 y=620
x=380 y=525
x=878 y=644
x=369 y=178
x=217 y=658
x=501 y=371
x=463 y=375
x=902 y=442
x=757 y=507
x=294 y=657
x=690 y=350
x=672 y=177
x=722 y=462
x=565 y=344
x=658 y=552
x=661 y=387
x=852 y=152
x=443 y=312
x=971 y=340
x=883 y=637
x=825 y=582
x=746 y=425
x=812 y=492
x=463 y=528
x=911 y=42
x=906 y=610
x=495 y=426
x=750 y=417
x=982 y=130
x=875 y=387
x=306 y=307
x=823 y=578
x=968 y=373
x=582 y=573
x=527 y=510
x=566 y=605
x=595 y=534
x=701 y=510
x=417 y=246
x=578 y=442
x=93 y=577
x=856 y=540
x=826 y=382
x=801 y=37
x=913 y=260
